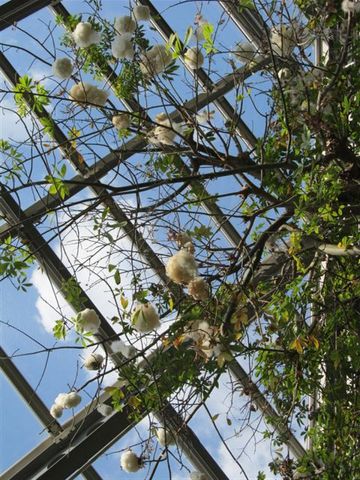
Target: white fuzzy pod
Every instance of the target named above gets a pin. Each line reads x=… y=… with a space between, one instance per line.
x=282 y=40
x=72 y=400
x=88 y=321
x=122 y=46
x=284 y=73
x=121 y=121
x=104 y=410
x=165 y=437
x=181 y=267
x=93 y=361
x=141 y=13
x=155 y=60
x=125 y=24
x=62 y=68
x=85 y=92
x=130 y=462
x=348 y=6
x=199 y=289
x=193 y=58
x=60 y=400
x=118 y=346
x=199 y=32
x=56 y=410
x=145 y=318
x=84 y=35
x=244 y=52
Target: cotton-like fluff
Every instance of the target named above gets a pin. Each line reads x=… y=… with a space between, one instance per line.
x=122 y=46
x=62 y=68
x=56 y=410
x=93 y=361
x=181 y=267
x=165 y=437
x=104 y=410
x=193 y=58
x=284 y=74
x=166 y=131
x=199 y=289
x=141 y=13
x=72 y=400
x=121 y=121
x=145 y=318
x=125 y=24
x=282 y=40
x=60 y=399
x=84 y=35
x=348 y=6
x=244 y=52
x=118 y=346
x=197 y=476
x=130 y=462
x=88 y=321
x=155 y=60
x=85 y=92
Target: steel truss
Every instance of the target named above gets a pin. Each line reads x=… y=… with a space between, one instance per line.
x=74 y=446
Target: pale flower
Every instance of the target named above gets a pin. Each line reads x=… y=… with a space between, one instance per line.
x=181 y=267
x=118 y=346
x=165 y=437
x=122 y=46
x=93 y=361
x=155 y=60
x=62 y=68
x=84 y=35
x=88 y=321
x=121 y=121
x=199 y=289
x=56 y=410
x=104 y=410
x=348 y=6
x=141 y=13
x=193 y=58
x=145 y=318
x=244 y=52
x=125 y=24
x=130 y=462
x=85 y=92
x=72 y=400
x=282 y=40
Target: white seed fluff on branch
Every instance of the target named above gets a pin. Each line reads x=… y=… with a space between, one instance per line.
x=199 y=289
x=201 y=24
x=181 y=267
x=60 y=400
x=193 y=58
x=165 y=437
x=348 y=6
x=130 y=462
x=145 y=318
x=84 y=35
x=68 y=400
x=94 y=361
x=125 y=24
x=56 y=410
x=62 y=68
x=118 y=346
x=121 y=121
x=155 y=60
x=141 y=13
x=87 y=93
x=104 y=410
x=244 y=52
x=282 y=40
x=122 y=46
x=88 y=321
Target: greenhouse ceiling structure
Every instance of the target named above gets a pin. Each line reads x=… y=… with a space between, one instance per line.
x=179 y=239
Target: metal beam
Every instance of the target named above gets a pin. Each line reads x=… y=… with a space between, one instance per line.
x=35 y=403
x=15 y=10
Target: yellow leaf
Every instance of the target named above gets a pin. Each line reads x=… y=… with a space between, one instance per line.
x=178 y=341
x=124 y=302
x=171 y=303
x=297 y=345
x=314 y=341
x=134 y=401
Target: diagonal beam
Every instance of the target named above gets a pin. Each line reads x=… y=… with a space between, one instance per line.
x=36 y=404
x=14 y=11
x=248 y=20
